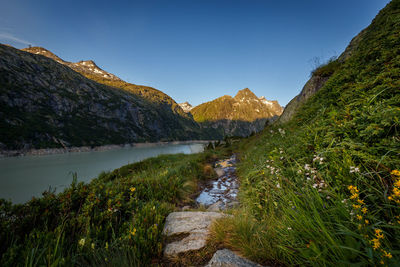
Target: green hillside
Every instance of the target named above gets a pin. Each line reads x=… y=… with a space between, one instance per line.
x=323 y=189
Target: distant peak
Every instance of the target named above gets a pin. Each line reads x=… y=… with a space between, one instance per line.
x=186 y=106
x=44 y=52
x=245 y=93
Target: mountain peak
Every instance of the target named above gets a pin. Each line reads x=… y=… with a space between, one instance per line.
x=245 y=93
x=44 y=52
x=186 y=106
x=85 y=67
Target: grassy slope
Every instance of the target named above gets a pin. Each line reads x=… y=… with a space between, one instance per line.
x=115 y=220
x=299 y=209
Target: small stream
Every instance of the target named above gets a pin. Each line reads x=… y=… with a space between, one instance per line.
x=224 y=190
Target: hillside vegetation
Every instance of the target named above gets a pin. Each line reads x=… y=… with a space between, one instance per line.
x=236 y=116
x=115 y=220
x=324 y=188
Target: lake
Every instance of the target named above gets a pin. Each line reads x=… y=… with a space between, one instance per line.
x=23 y=177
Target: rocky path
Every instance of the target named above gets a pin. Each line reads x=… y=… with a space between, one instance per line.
x=188 y=231
x=221 y=194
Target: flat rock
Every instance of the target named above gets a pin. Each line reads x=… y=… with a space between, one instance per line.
x=194 y=225
x=192 y=242
x=189 y=222
x=227 y=258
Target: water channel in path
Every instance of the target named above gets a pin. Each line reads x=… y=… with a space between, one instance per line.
x=23 y=177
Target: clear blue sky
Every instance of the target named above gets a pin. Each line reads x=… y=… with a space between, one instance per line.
x=193 y=50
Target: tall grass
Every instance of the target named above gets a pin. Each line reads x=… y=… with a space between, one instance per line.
x=323 y=189
x=115 y=220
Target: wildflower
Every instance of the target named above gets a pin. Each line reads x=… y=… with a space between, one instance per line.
x=378 y=234
x=92 y=246
x=133 y=232
x=289 y=228
x=132 y=189
x=360 y=201
x=278 y=186
x=354 y=196
x=106 y=245
x=387 y=254
x=364 y=210
x=366 y=222
x=356 y=206
x=375 y=243
x=82 y=242
x=328 y=197
x=359 y=217
x=344 y=200
x=395 y=173
x=354 y=169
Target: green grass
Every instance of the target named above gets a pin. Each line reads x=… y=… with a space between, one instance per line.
x=298 y=209
x=115 y=220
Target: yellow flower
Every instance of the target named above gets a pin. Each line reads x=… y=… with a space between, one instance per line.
x=356 y=206
x=133 y=232
x=376 y=244
x=395 y=173
x=92 y=245
x=366 y=222
x=364 y=210
x=359 y=217
x=387 y=254
x=82 y=242
x=354 y=196
x=360 y=201
x=132 y=189
x=378 y=231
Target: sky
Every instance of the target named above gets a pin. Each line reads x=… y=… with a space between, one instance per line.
x=194 y=50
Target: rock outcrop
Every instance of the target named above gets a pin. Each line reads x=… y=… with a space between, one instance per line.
x=192 y=227
x=316 y=82
x=227 y=258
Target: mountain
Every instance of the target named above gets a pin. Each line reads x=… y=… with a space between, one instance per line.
x=48 y=102
x=186 y=106
x=240 y=115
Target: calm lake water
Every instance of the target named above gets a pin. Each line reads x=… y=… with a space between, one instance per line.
x=21 y=178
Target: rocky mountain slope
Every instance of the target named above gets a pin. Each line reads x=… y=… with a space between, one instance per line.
x=240 y=115
x=186 y=106
x=45 y=102
x=318 y=79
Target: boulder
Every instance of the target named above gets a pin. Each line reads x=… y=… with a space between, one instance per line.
x=227 y=258
x=193 y=226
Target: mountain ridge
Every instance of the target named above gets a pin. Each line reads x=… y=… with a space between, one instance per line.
x=240 y=115
x=47 y=104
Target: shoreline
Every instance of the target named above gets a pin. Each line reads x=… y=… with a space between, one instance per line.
x=80 y=149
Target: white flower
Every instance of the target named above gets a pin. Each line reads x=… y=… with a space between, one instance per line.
x=328 y=197
x=278 y=186
x=344 y=200
x=289 y=228
x=315 y=185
